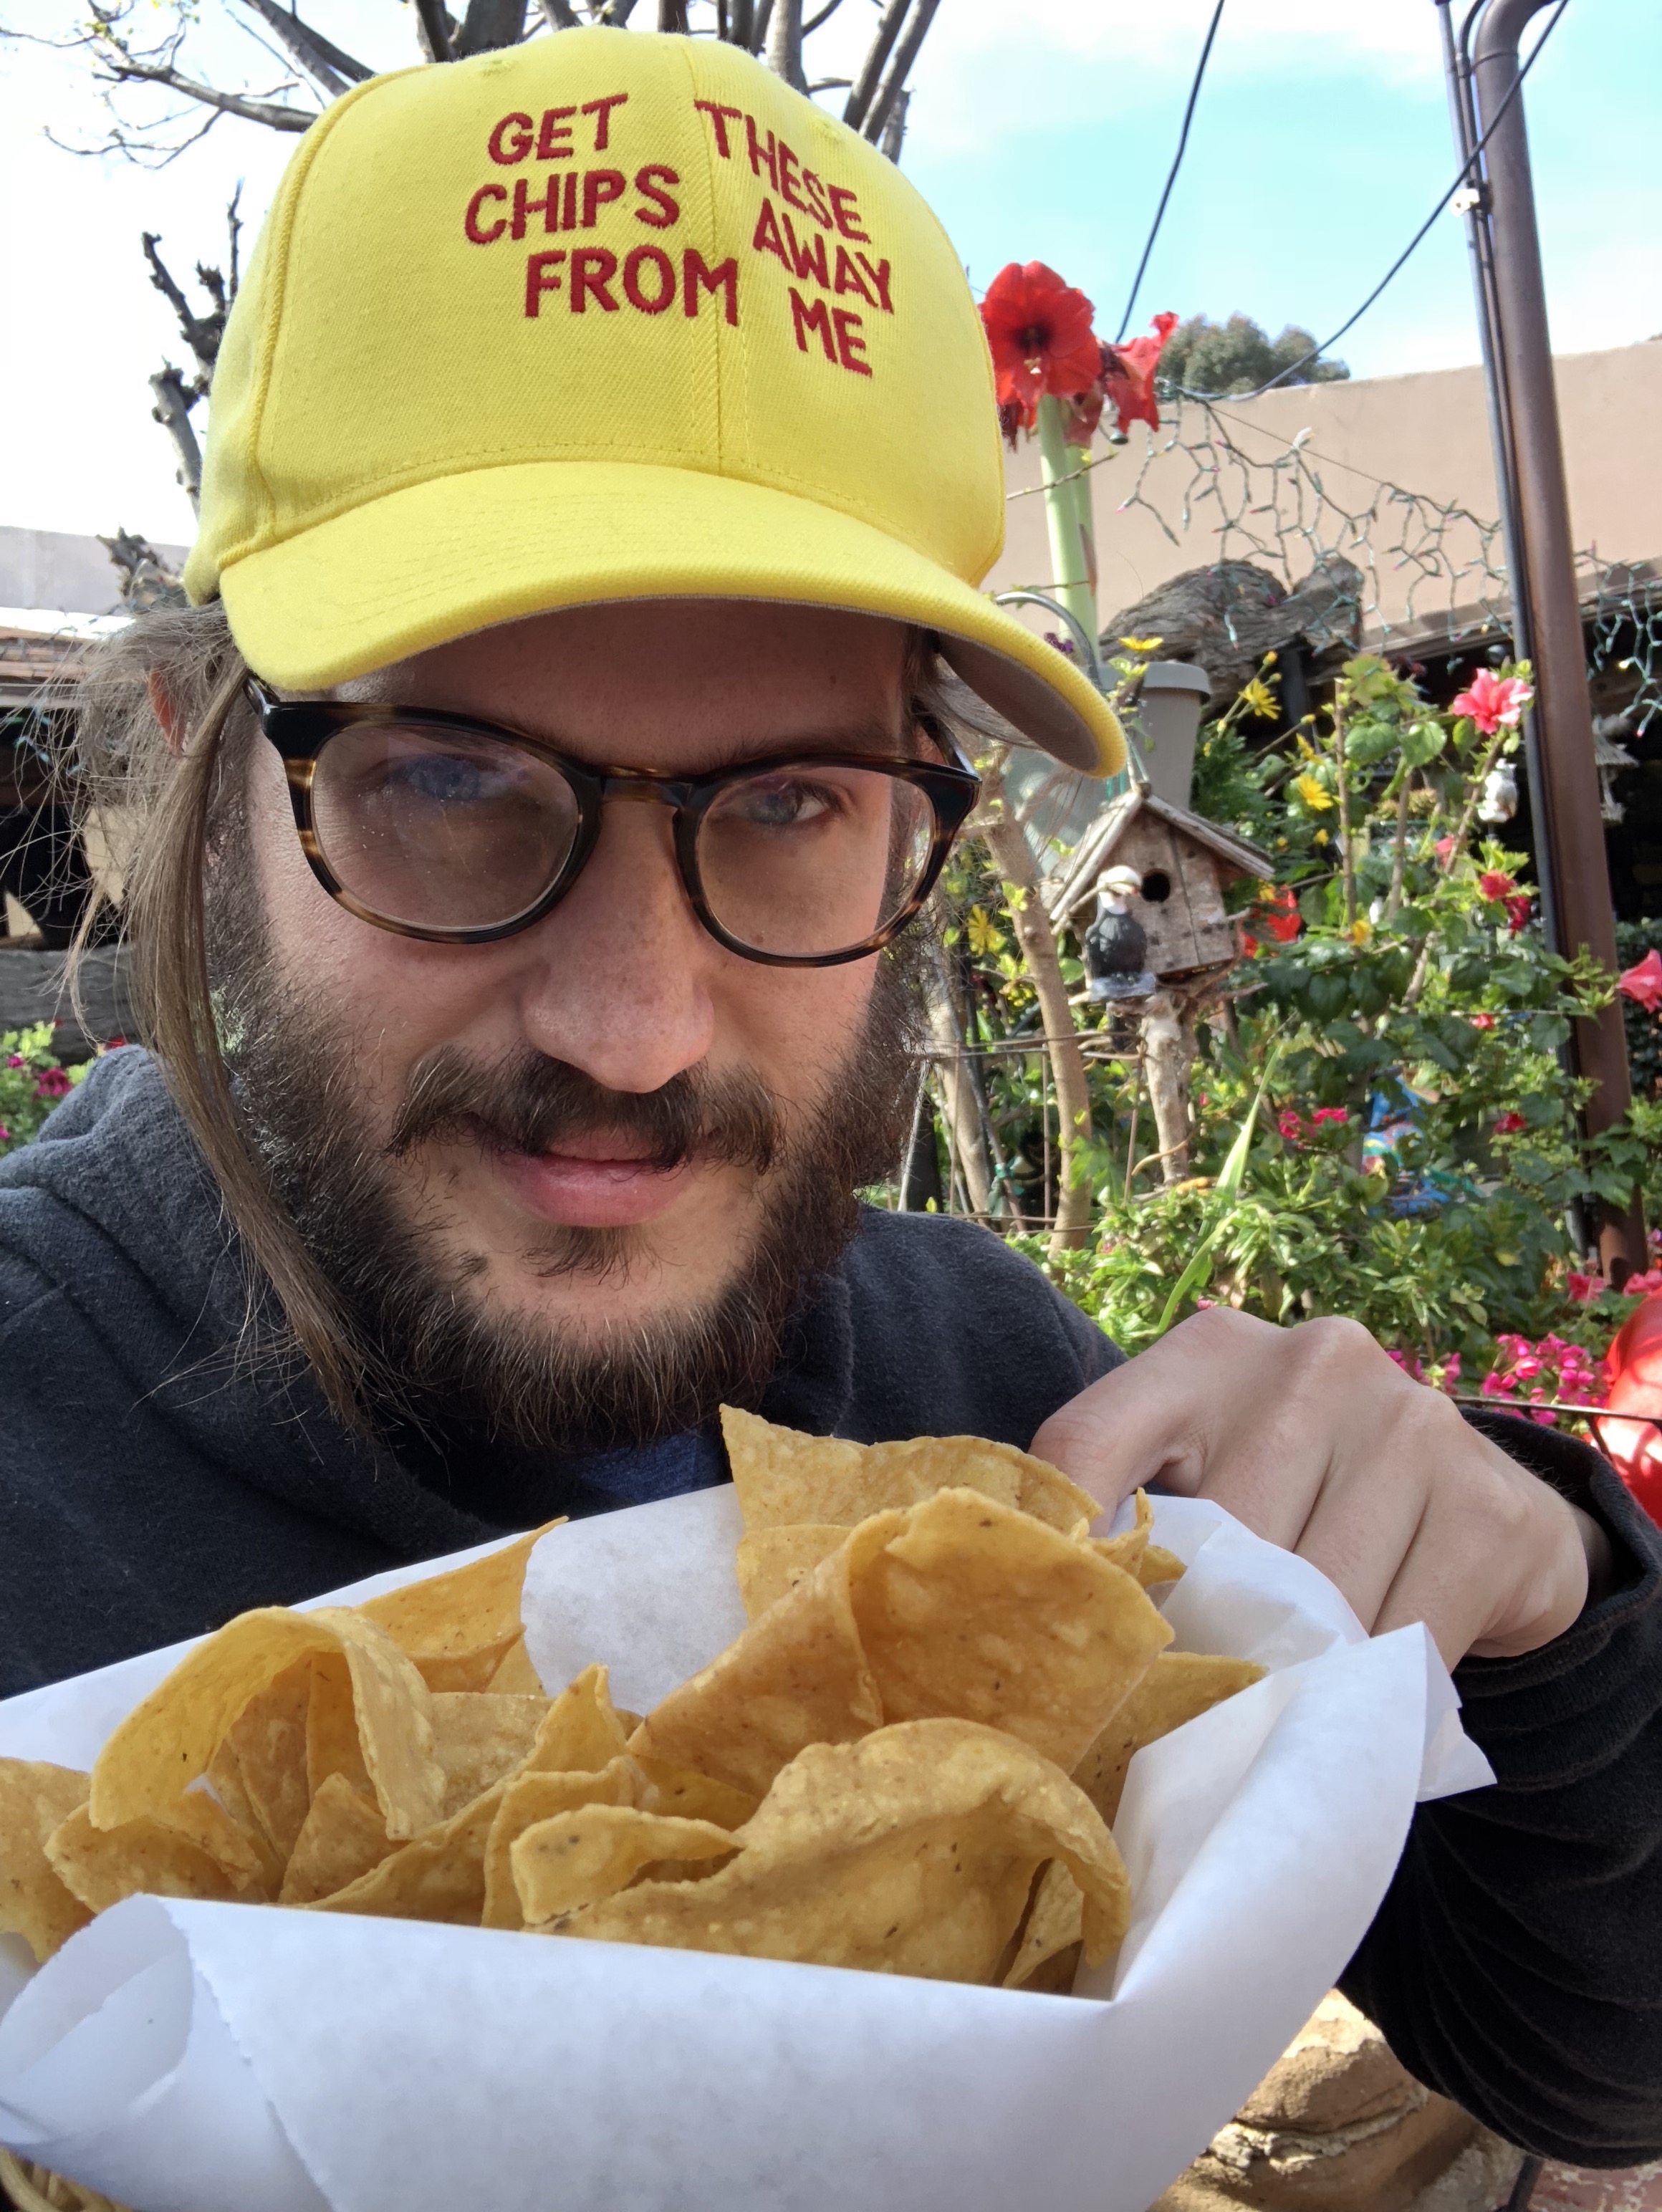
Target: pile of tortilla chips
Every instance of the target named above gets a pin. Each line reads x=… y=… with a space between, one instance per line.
x=906 y=1763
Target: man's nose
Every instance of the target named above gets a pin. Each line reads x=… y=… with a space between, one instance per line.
x=620 y=978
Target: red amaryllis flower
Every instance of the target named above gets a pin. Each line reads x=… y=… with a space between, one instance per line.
x=1510 y=1125
x=1493 y=700
x=1643 y=983
x=1039 y=330
x=1517 y=908
x=1493 y=885
x=1128 y=374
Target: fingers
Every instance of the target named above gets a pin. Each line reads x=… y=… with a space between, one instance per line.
x=1159 y=1418
x=1317 y=1442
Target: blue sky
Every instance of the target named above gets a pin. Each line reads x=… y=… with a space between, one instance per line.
x=1321 y=142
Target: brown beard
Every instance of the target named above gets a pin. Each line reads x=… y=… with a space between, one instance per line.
x=437 y=1353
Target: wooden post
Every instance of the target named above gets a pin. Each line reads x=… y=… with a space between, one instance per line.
x=1168 y=1047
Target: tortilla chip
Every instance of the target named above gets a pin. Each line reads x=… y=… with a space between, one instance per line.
x=343 y=1838
x=267 y=1744
x=439 y=1876
x=784 y=1477
x=467 y=1670
x=1178 y=1687
x=331 y=1728
x=956 y=1608
x=982 y=1614
x=912 y=1851
x=580 y=1732
x=168 y=1741
x=796 y=1676
x=577 y=1858
x=517 y=1677
x=1055 y=1926
x=529 y=1798
x=246 y=1857
x=480 y=1738
x=1159 y=1565
x=1125 y=1551
x=771 y=1561
x=462 y=1610
x=101 y=1866
x=36 y=1799
x=690 y=1796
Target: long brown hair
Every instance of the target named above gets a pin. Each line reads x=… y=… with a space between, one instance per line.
x=170 y=808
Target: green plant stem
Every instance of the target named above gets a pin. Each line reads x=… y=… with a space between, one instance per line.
x=1344 y=815
x=1014 y=863
x=1399 y=851
x=1071 y=583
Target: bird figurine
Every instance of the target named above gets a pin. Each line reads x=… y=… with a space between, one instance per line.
x=1116 y=942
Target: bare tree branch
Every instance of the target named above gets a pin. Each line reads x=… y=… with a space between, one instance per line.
x=559 y=15
x=785 y=43
x=894 y=130
x=673 y=16
x=488 y=25
x=332 y=68
x=871 y=70
x=825 y=14
x=174 y=403
x=434 y=25
x=270 y=112
x=146 y=581
x=906 y=54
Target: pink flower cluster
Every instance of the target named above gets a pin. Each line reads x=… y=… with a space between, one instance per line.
x=1526 y=1374
x=1295 y=1129
x=1585 y=1288
x=53 y=1084
x=1444 y=1377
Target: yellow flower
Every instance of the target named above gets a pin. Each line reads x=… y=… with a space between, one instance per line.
x=985 y=933
x=1316 y=796
x=1321 y=837
x=1259 y=700
x=1143 y=644
x=1359 y=930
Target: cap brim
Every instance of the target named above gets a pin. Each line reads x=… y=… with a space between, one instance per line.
x=432 y=562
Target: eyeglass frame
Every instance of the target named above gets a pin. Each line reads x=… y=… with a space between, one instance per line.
x=299 y=729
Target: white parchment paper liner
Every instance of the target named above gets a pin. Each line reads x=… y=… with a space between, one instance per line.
x=190 y=2057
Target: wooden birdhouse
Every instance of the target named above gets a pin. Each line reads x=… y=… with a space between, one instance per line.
x=1184 y=864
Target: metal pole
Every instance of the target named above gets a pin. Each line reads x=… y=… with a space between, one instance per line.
x=1572 y=826
x=1480 y=249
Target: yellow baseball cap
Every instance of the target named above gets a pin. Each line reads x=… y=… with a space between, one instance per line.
x=610 y=315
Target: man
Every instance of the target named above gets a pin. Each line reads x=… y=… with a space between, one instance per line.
x=524 y=826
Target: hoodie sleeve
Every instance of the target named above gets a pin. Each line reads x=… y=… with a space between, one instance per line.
x=1516 y=1963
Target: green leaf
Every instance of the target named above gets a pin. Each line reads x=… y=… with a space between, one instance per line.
x=1422 y=743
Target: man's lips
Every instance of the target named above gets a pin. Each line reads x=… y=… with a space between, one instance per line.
x=592 y=1184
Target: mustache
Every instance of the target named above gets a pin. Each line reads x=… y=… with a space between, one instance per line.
x=528 y=1102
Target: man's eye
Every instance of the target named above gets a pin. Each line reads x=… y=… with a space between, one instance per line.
x=780 y=804
x=445 y=779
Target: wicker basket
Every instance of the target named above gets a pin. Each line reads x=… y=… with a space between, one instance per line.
x=32 y=2189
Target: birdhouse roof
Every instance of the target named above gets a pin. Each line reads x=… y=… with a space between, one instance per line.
x=1095 y=849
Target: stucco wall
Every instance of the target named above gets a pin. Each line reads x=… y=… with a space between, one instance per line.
x=1427 y=433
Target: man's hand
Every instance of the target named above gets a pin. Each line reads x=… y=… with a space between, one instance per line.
x=1317 y=1440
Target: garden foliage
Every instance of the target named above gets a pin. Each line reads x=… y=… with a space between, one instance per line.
x=1416 y=1163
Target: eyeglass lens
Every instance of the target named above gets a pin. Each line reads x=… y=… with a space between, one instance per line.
x=454 y=830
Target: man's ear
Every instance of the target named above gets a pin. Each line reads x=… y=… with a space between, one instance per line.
x=165 y=707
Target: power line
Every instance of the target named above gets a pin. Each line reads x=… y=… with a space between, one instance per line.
x=1177 y=163
x=1468 y=170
